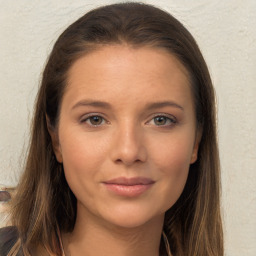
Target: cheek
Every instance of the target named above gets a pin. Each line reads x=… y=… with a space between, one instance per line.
x=173 y=156
x=81 y=152
x=82 y=160
x=174 y=168
x=172 y=160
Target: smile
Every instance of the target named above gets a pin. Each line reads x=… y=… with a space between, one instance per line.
x=129 y=187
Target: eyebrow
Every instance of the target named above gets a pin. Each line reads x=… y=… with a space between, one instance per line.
x=149 y=106
x=162 y=104
x=92 y=103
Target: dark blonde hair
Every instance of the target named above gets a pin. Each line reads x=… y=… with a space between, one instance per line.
x=44 y=201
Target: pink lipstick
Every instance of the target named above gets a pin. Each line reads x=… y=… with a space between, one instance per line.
x=129 y=187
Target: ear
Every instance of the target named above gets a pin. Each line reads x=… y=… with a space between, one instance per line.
x=55 y=140
x=196 y=145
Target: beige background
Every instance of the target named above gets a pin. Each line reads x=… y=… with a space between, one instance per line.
x=225 y=31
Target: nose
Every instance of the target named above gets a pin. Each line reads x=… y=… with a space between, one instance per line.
x=128 y=146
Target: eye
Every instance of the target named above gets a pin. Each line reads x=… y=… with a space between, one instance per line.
x=94 y=120
x=162 y=120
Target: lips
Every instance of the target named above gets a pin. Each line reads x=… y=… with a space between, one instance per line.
x=130 y=181
x=129 y=187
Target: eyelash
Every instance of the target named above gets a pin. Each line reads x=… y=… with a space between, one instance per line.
x=90 y=116
x=168 y=118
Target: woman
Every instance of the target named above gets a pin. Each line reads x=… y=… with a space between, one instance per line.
x=123 y=158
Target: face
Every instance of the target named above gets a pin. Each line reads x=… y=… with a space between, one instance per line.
x=126 y=134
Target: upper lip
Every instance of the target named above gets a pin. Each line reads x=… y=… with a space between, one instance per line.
x=130 y=181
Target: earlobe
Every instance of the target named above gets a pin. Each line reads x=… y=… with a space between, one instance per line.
x=196 y=146
x=194 y=155
x=55 y=141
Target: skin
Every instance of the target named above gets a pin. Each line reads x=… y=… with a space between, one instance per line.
x=126 y=140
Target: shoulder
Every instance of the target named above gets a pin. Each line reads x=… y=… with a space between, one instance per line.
x=8 y=237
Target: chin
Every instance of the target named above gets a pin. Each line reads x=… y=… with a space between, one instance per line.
x=129 y=223
x=132 y=218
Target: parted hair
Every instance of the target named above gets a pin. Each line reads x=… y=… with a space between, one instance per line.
x=44 y=203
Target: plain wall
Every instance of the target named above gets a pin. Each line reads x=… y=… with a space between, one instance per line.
x=226 y=34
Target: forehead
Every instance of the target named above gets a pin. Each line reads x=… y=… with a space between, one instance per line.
x=122 y=71
x=121 y=55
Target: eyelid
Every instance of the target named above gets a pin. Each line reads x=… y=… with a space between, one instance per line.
x=172 y=118
x=169 y=116
x=85 y=117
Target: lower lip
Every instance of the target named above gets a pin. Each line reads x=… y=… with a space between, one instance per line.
x=128 y=191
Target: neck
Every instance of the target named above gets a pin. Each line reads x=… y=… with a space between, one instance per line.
x=94 y=238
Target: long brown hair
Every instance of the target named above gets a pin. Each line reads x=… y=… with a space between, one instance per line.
x=44 y=200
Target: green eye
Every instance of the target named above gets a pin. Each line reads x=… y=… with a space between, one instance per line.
x=160 y=120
